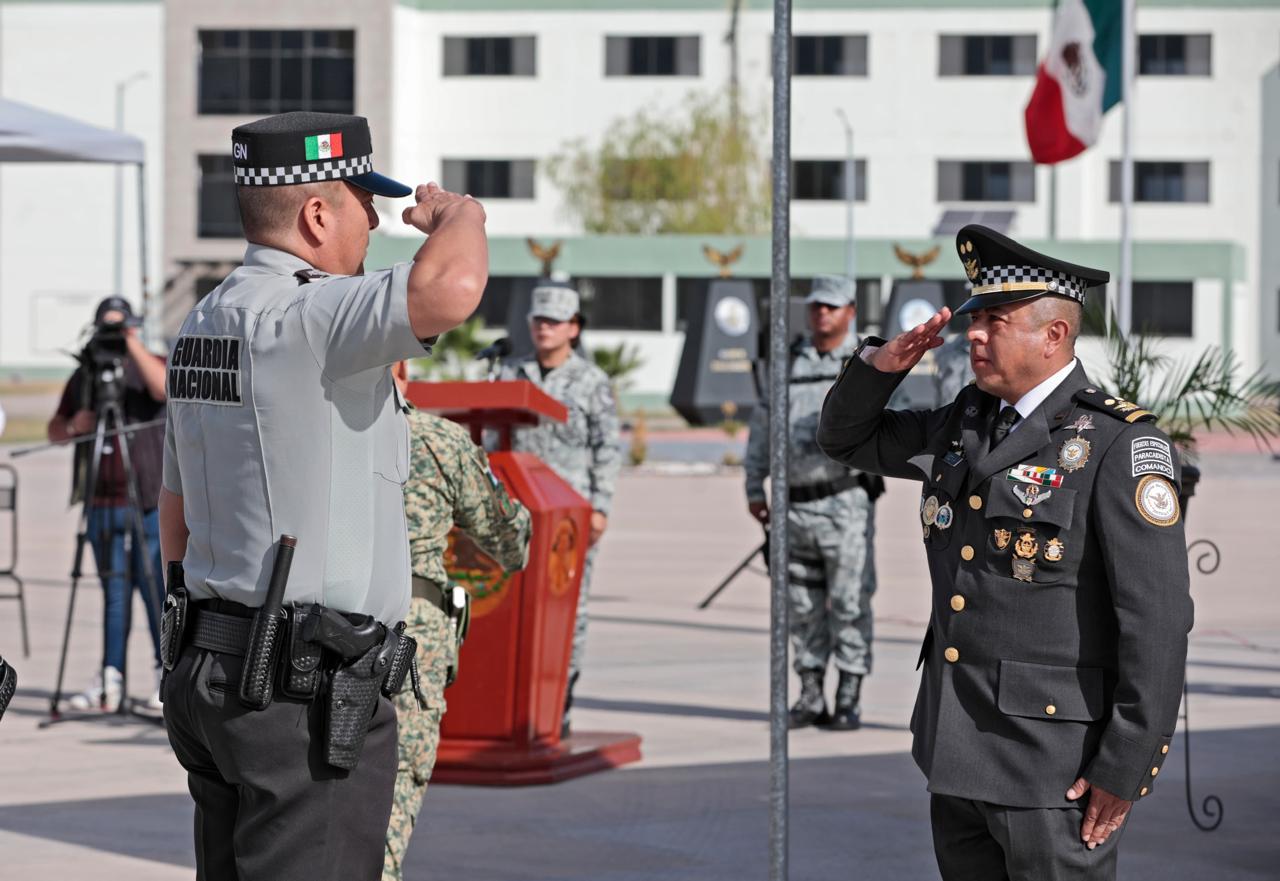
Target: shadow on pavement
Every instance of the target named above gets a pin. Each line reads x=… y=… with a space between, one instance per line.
x=860 y=817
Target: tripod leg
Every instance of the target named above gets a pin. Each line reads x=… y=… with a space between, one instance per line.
x=719 y=588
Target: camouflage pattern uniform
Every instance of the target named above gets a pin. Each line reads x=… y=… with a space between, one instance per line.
x=584 y=451
x=831 y=571
x=449 y=483
x=954 y=368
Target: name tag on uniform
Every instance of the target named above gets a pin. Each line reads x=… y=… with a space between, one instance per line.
x=205 y=370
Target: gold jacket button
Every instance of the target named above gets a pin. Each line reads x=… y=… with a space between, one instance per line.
x=957 y=603
x=967 y=552
x=1155 y=771
x=975 y=502
x=1164 y=750
x=952 y=654
x=1027 y=512
x=1050 y=710
x=1144 y=791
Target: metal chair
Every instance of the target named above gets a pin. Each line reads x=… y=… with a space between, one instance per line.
x=9 y=507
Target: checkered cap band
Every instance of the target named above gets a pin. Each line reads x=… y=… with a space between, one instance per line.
x=1055 y=282
x=332 y=169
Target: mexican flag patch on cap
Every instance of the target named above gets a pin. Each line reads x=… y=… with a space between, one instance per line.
x=324 y=146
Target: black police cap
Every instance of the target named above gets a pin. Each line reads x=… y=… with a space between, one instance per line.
x=116 y=303
x=1003 y=271
x=301 y=147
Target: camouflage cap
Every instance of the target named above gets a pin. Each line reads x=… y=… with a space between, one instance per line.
x=557 y=302
x=832 y=290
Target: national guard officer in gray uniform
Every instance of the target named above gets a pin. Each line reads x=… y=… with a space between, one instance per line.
x=283 y=420
x=1054 y=658
x=831 y=572
x=585 y=450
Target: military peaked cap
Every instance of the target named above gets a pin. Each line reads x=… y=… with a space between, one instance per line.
x=300 y=148
x=1003 y=271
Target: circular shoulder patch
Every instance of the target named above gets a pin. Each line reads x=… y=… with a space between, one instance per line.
x=1157 y=501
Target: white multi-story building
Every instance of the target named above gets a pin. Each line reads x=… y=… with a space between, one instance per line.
x=480 y=93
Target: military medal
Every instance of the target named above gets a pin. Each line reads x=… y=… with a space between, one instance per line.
x=1053 y=551
x=929 y=512
x=1074 y=454
x=955 y=455
x=1002 y=537
x=1030 y=495
x=942 y=519
x=1083 y=423
x=1038 y=474
x=1024 y=550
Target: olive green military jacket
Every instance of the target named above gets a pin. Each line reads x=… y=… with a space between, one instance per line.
x=1061 y=603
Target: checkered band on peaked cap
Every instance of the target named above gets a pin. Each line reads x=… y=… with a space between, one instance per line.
x=300 y=148
x=833 y=290
x=557 y=302
x=1003 y=271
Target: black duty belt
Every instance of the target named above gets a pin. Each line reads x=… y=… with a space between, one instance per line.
x=219 y=632
x=424 y=589
x=815 y=491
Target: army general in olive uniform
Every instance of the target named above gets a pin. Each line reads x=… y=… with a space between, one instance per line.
x=584 y=450
x=282 y=420
x=1054 y=658
x=450 y=484
x=831 y=573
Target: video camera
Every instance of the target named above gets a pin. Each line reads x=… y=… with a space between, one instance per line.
x=102 y=357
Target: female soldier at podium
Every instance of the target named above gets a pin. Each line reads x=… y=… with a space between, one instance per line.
x=584 y=449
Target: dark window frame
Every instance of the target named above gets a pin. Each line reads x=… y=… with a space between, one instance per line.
x=652 y=55
x=216 y=181
x=987 y=181
x=821 y=176
x=825 y=49
x=265 y=62
x=1174 y=55
x=466 y=50
x=1165 y=181
x=491 y=178
x=987 y=55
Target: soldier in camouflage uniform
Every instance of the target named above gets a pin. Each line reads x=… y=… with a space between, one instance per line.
x=449 y=484
x=831 y=524
x=585 y=450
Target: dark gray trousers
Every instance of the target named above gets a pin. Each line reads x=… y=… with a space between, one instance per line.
x=267 y=805
x=979 y=841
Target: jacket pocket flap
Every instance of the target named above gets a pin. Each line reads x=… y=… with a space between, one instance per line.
x=1047 y=691
x=1046 y=504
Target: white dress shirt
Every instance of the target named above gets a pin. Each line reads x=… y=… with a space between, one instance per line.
x=1027 y=404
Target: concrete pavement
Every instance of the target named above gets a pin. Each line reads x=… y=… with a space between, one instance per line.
x=106 y=798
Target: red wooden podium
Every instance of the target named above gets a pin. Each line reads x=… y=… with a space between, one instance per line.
x=503 y=723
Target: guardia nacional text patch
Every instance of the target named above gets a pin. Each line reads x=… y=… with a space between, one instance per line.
x=206 y=370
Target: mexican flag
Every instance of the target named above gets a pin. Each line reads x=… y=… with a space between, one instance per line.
x=324 y=146
x=1078 y=81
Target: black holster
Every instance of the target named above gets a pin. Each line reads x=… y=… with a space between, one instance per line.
x=173 y=620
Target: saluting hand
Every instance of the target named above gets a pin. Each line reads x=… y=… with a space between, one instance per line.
x=906 y=349
x=1106 y=812
x=434 y=205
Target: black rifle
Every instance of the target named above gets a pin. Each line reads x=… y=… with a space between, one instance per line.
x=267 y=633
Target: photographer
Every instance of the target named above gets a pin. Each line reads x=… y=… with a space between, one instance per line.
x=116 y=343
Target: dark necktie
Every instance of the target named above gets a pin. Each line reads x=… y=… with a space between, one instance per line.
x=1005 y=421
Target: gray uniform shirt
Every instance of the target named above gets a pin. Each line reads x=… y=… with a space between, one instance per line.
x=811 y=376
x=282 y=419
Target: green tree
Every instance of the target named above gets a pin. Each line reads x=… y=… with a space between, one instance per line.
x=698 y=170
x=453 y=355
x=618 y=363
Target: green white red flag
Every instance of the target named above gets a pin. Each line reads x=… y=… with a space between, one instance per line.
x=1078 y=81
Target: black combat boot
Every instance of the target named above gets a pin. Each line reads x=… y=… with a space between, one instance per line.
x=848 y=714
x=811 y=708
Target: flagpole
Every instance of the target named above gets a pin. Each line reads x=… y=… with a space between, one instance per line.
x=1124 y=310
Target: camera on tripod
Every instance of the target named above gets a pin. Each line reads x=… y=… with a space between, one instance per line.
x=103 y=356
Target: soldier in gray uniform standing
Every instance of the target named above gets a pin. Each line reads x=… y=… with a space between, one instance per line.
x=831 y=525
x=585 y=450
x=283 y=420
x=1055 y=653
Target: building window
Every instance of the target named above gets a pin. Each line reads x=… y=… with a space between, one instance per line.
x=1160 y=308
x=986 y=55
x=1164 y=181
x=489 y=56
x=819 y=179
x=258 y=72
x=978 y=181
x=1174 y=55
x=652 y=56
x=490 y=178
x=217 y=210
x=829 y=55
x=621 y=303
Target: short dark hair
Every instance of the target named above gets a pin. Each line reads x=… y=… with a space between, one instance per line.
x=268 y=211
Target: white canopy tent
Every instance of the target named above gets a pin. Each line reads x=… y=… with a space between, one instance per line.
x=29 y=134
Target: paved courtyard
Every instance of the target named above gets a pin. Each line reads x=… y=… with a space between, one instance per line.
x=106 y=799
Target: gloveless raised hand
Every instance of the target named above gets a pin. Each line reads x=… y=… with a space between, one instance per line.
x=906 y=349
x=433 y=205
